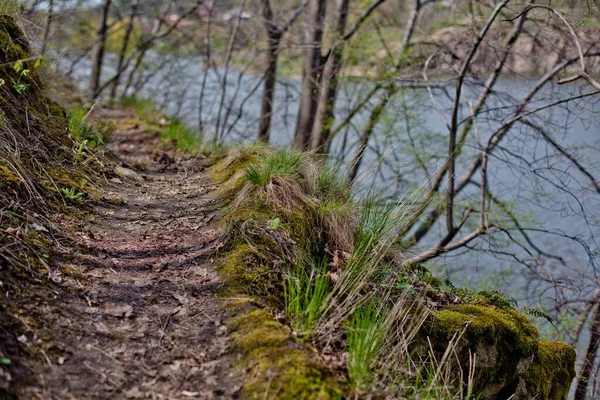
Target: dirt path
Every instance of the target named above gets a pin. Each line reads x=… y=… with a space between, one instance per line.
x=143 y=322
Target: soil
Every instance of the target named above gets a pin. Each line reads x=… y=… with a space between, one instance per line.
x=141 y=320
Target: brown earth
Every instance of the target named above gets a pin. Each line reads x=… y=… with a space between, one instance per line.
x=137 y=318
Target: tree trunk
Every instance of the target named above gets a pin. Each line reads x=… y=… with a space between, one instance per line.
x=125 y=44
x=311 y=75
x=269 y=91
x=329 y=84
x=98 y=52
x=273 y=41
x=391 y=89
x=47 y=27
x=365 y=136
x=590 y=356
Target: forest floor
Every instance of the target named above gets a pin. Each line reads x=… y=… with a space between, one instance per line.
x=141 y=320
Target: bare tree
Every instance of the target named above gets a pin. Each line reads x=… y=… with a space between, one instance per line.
x=333 y=61
x=274 y=37
x=98 y=51
x=47 y=27
x=124 y=46
x=311 y=72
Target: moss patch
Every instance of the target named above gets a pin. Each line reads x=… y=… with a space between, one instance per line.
x=246 y=271
x=550 y=375
x=278 y=366
x=8 y=178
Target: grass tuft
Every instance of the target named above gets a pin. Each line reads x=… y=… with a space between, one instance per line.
x=280 y=164
x=305 y=292
x=366 y=335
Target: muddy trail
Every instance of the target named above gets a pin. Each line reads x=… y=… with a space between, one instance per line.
x=142 y=321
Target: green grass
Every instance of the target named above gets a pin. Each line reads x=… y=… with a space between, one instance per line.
x=305 y=292
x=366 y=335
x=282 y=163
x=9 y=7
x=331 y=185
x=185 y=139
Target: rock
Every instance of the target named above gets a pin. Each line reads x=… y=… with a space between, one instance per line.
x=127 y=173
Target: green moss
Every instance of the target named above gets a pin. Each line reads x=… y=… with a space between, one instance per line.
x=236 y=161
x=247 y=271
x=277 y=365
x=486 y=324
x=7 y=177
x=502 y=338
x=549 y=376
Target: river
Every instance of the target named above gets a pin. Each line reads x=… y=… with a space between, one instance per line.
x=544 y=189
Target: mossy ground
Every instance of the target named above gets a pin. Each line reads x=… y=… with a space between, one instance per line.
x=278 y=366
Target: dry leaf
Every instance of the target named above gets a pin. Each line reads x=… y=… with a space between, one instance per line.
x=118 y=310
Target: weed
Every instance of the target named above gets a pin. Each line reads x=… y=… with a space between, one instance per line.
x=71 y=193
x=22 y=72
x=331 y=186
x=274 y=224
x=85 y=134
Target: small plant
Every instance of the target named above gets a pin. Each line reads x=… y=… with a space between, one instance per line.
x=71 y=193
x=4 y=360
x=306 y=290
x=81 y=148
x=538 y=314
x=276 y=223
x=332 y=186
x=85 y=134
x=22 y=72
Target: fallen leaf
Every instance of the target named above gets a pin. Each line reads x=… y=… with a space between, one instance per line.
x=39 y=228
x=118 y=310
x=134 y=393
x=101 y=328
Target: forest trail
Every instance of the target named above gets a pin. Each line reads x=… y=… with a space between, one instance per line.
x=143 y=323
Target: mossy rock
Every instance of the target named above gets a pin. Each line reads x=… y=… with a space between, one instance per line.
x=550 y=375
x=511 y=360
x=246 y=271
x=277 y=365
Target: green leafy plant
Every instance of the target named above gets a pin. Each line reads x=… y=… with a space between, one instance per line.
x=85 y=134
x=538 y=314
x=71 y=193
x=276 y=223
x=4 y=360
x=22 y=72
x=81 y=148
